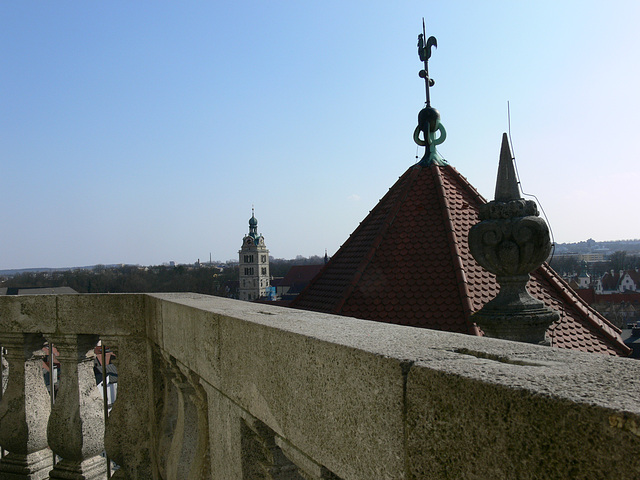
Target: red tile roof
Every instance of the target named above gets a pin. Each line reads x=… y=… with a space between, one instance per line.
x=300 y=273
x=635 y=276
x=409 y=263
x=620 y=297
x=610 y=281
x=613 y=281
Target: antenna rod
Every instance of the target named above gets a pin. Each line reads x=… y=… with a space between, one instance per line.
x=426 y=66
x=509 y=124
x=424 y=52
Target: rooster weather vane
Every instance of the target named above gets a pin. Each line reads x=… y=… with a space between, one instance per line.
x=429 y=118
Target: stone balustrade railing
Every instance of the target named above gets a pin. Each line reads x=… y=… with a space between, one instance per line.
x=221 y=389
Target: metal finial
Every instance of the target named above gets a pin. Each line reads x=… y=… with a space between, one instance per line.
x=424 y=53
x=429 y=123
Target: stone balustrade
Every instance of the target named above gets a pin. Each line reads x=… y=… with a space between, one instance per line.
x=222 y=389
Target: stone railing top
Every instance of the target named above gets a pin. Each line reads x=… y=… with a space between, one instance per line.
x=609 y=382
x=107 y=314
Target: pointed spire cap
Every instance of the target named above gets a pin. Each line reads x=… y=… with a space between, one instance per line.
x=253 y=222
x=507 y=182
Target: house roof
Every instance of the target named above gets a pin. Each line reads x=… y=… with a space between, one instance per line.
x=634 y=275
x=612 y=280
x=300 y=273
x=409 y=263
x=36 y=290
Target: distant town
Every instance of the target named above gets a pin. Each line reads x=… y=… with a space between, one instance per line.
x=605 y=274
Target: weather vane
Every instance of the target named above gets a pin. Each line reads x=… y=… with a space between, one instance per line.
x=429 y=118
x=424 y=52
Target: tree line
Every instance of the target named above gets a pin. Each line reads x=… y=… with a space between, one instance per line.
x=203 y=278
x=620 y=260
x=129 y=279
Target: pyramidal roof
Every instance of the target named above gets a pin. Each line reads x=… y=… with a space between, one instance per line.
x=409 y=263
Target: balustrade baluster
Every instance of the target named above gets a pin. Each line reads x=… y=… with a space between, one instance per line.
x=76 y=424
x=201 y=463
x=2 y=375
x=105 y=393
x=188 y=456
x=24 y=410
x=167 y=418
x=128 y=434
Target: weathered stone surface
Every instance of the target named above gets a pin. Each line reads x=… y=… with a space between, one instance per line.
x=24 y=410
x=188 y=453
x=166 y=412
x=28 y=313
x=34 y=466
x=511 y=241
x=153 y=318
x=178 y=338
x=306 y=390
x=290 y=384
x=225 y=420
x=90 y=469
x=459 y=426
x=76 y=425
x=352 y=399
x=107 y=314
x=128 y=430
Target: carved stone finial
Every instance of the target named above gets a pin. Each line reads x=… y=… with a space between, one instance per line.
x=507 y=183
x=511 y=241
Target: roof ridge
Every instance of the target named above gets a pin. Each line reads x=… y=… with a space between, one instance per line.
x=467 y=185
x=388 y=220
x=463 y=289
x=603 y=325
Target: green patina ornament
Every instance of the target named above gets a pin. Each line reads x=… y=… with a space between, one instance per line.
x=429 y=125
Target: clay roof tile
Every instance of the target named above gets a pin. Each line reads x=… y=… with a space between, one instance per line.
x=413 y=246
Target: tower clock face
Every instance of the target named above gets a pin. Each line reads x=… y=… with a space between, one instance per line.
x=249 y=241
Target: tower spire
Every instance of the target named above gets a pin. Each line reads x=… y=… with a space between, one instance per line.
x=253 y=224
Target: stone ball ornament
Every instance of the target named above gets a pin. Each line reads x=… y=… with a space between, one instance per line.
x=506 y=242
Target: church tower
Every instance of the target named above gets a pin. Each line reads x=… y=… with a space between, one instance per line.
x=254 y=264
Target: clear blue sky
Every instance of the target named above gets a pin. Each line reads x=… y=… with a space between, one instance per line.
x=142 y=132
